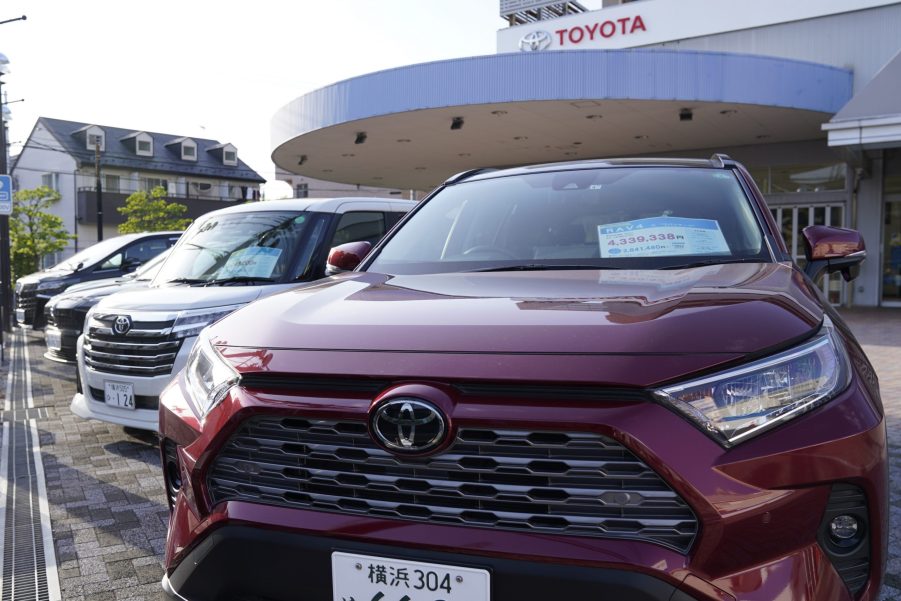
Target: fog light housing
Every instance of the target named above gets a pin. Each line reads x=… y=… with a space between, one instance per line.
x=843 y=529
x=844 y=535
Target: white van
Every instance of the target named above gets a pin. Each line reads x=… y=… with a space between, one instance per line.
x=134 y=342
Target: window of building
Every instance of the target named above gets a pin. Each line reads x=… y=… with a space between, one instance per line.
x=230 y=157
x=786 y=179
x=301 y=190
x=111 y=183
x=145 y=147
x=95 y=140
x=188 y=151
x=50 y=180
x=153 y=182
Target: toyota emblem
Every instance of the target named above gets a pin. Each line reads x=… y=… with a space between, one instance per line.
x=535 y=40
x=121 y=324
x=408 y=425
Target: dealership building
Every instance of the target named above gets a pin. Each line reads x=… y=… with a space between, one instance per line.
x=807 y=94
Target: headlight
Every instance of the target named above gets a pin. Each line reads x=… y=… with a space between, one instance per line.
x=738 y=404
x=52 y=287
x=208 y=376
x=88 y=318
x=189 y=323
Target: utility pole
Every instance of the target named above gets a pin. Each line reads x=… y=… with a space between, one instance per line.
x=99 y=190
x=6 y=288
x=5 y=265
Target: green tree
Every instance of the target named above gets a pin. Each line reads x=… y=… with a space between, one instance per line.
x=152 y=213
x=33 y=232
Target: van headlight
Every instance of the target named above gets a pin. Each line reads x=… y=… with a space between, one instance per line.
x=208 y=376
x=741 y=403
x=190 y=323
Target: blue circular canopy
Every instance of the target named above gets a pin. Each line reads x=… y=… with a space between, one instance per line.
x=644 y=77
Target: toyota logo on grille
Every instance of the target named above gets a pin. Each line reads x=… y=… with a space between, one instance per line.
x=408 y=425
x=535 y=40
x=121 y=324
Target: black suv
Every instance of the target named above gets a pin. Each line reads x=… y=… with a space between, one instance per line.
x=107 y=259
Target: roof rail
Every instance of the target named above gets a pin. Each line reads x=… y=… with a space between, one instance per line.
x=467 y=174
x=718 y=159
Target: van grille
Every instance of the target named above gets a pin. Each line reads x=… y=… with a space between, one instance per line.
x=147 y=349
x=572 y=483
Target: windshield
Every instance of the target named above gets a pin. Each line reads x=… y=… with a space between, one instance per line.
x=90 y=255
x=250 y=247
x=148 y=270
x=623 y=217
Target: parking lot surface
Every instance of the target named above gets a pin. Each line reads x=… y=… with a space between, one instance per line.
x=106 y=505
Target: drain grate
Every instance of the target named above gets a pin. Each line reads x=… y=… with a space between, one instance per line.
x=29 y=568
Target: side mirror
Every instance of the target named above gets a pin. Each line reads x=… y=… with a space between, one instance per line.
x=131 y=263
x=346 y=257
x=833 y=249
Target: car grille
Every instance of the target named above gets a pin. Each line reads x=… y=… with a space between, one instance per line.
x=147 y=349
x=26 y=300
x=66 y=319
x=573 y=483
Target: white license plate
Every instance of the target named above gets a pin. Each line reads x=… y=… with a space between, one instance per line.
x=119 y=394
x=367 y=578
x=20 y=315
x=54 y=340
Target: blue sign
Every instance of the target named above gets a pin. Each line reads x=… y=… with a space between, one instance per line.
x=6 y=195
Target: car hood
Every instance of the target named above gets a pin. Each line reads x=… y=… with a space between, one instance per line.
x=721 y=309
x=41 y=276
x=183 y=298
x=84 y=294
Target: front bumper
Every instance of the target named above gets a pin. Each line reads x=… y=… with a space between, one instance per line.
x=240 y=562
x=760 y=505
x=90 y=403
x=65 y=347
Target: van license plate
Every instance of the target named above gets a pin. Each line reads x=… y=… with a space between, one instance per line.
x=364 y=577
x=119 y=394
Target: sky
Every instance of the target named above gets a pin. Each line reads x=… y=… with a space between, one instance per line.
x=216 y=69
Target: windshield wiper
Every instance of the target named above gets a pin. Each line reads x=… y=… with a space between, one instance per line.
x=189 y=281
x=238 y=279
x=538 y=267
x=723 y=261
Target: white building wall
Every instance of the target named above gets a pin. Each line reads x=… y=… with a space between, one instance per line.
x=43 y=154
x=863 y=40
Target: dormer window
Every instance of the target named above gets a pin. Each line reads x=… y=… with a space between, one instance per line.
x=144 y=145
x=188 y=151
x=94 y=137
x=230 y=157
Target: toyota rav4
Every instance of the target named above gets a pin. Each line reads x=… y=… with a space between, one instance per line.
x=593 y=380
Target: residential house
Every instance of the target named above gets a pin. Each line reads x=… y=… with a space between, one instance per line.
x=203 y=174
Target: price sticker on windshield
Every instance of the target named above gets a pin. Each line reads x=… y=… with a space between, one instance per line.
x=661 y=237
x=254 y=261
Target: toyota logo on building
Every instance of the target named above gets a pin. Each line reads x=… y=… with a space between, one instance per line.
x=121 y=324
x=408 y=425
x=535 y=40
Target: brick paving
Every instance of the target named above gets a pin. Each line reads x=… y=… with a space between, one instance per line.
x=105 y=491
x=108 y=507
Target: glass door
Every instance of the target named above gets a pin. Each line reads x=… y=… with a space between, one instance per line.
x=793 y=219
x=891 y=252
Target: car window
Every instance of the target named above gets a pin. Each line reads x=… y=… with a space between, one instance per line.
x=632 y=217
x=259 y=245
x=356 y=226
x=140 y=251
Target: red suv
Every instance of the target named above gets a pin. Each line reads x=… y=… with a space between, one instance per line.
x=592 y=380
